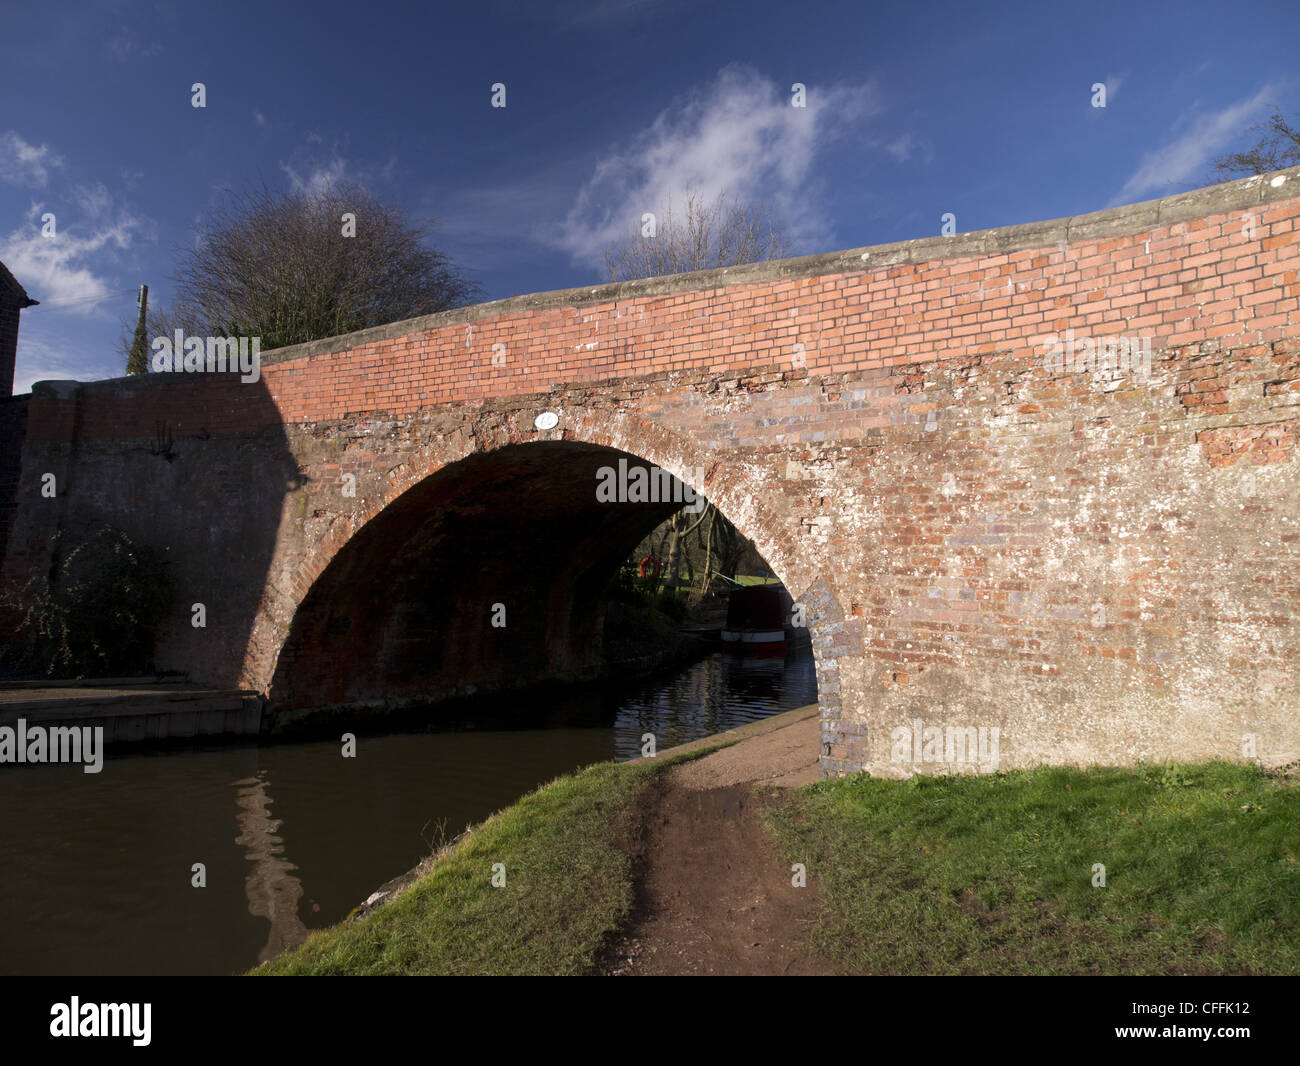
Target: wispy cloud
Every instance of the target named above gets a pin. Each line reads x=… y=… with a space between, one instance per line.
x=46 y=352
x=318 y=169
x=741 y=135
x=491 y=226
x=272 y=124
x=24 y=164
x=1184 y=158
x=316 y=179
x=908 y=146
x=67 y=270
x=74 y=270
x=125 y=45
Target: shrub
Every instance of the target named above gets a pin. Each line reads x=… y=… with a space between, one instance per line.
x=97 y=611
x=672 y=605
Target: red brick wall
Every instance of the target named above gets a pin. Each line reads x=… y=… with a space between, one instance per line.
x=1101 y=565
x=1230 y=276
x=1216 y=278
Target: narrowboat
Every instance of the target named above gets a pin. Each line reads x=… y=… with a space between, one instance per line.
x=756 y=620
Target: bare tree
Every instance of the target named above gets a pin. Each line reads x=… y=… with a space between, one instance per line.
x=298 y=267
x=1278 y=147
x=702 y=236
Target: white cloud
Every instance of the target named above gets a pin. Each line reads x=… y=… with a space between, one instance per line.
x=739 y=134
x=907 y=146
x=65 y=271
x=319 y=178
x=48 y=354
x=313 y=176
x=94 y=200
x=74 y=273
x=25 y=164
x=1185 y=157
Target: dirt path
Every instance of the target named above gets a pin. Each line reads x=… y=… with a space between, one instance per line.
x=714 y=896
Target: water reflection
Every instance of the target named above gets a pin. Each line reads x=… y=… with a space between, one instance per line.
x=99 y=864
x=273 y=892
x=716 y=694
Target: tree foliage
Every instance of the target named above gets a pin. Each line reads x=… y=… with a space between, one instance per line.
x=281 y=268
x=96 y=613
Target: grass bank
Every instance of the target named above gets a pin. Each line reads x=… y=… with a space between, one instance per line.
x=994 y=874
x=568 y=886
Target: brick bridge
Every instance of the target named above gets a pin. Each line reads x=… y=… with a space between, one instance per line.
x=1100 y=558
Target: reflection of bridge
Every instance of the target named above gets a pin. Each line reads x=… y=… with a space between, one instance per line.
x=1103 y=564
x=272 y=889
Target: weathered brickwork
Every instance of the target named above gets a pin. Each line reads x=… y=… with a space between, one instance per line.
x=1101 y=564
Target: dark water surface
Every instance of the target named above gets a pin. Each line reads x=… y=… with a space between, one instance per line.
x=95 y=869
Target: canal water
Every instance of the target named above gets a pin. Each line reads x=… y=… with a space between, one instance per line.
x=95 y=869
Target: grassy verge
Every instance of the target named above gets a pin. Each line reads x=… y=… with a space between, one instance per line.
x=569 y=885
x=994 y=874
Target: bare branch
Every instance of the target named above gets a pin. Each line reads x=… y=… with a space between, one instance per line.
x=703 y=236
x=1277 y=148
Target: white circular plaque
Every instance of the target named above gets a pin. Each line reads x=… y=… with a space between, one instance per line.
x=547 y=420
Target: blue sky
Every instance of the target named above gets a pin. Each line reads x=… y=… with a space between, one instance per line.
x=612 y=106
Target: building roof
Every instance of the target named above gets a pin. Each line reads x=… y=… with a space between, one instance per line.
x=10 y=289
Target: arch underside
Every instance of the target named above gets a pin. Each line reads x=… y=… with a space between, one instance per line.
x=489 y=574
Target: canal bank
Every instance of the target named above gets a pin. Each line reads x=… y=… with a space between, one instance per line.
x=780 y=752
x=132 y=710
x=698 y=862
x=570 y=878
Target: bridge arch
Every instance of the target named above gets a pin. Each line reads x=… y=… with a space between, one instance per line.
x=499 y=478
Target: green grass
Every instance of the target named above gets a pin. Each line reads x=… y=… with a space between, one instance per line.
x=754 y=579
x=993 y=874
x=988 y=874
x=569 y=885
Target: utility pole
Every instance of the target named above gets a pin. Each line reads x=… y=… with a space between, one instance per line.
x=137 y=362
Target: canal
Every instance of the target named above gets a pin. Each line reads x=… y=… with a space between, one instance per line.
x=96 y=870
